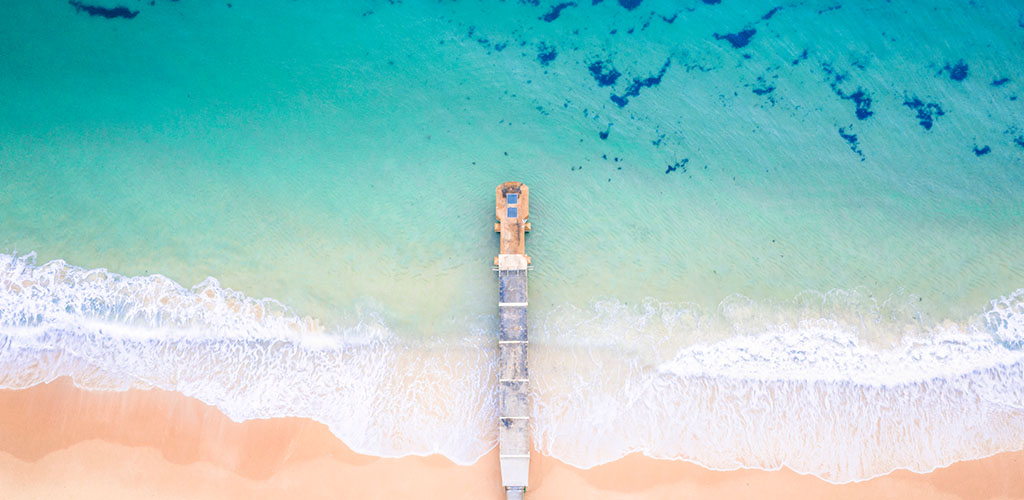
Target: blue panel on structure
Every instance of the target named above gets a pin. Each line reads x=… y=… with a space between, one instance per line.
x=512 y=198
x=513 y=212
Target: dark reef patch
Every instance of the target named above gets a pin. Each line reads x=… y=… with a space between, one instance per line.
x=546 y=54
x=863 y=102
x=999 y=82
x=1019 y=141
x=679 y=165
x=801 y=57
x=764 y=89
x=108 y=13
x=738 y=40
x=670 y=20
x=958 y=71
x=711 y=2
x=926 y=112
x=852 y=141
x=604 y=73
x=771 y=13
x=982 y=151
x=630 y=4
x=860 y=98
x=640 y=83
x=697 y=66
x=604 y=133
x=556 y=11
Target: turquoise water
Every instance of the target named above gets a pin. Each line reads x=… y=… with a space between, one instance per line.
x=767 y=195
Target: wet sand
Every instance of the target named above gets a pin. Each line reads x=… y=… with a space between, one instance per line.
x=58 y=441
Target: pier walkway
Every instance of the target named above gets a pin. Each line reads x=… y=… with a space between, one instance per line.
x=512 y=209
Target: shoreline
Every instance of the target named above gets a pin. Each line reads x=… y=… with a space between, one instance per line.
x=55 y=437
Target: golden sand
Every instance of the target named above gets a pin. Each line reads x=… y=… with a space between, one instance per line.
x=58 y=441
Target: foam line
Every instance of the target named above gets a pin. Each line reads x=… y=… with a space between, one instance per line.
x=809 y=384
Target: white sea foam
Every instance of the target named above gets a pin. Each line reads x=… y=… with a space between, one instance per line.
x=824 y=384
x=250 y=358
x=811 y=398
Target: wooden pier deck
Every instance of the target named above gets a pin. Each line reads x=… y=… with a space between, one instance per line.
x=512 y=209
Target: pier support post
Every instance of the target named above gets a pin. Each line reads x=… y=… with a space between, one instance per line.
x=515 y=493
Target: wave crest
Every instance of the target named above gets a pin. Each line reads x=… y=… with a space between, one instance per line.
x=838 y=385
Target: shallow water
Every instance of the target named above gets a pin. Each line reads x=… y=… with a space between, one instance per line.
x=792 y=199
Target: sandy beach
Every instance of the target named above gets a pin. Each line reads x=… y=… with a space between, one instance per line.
x=57 y=440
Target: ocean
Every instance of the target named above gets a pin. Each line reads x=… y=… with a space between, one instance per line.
x=764 y=234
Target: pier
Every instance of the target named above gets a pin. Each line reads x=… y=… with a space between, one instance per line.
x=512 y=209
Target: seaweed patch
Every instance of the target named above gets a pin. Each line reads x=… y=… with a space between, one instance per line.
x=958 y=71
x=863 y=102
x=108 y=13
x=926 y=112
x=679 y=165
x=738 y=40
x=546 y=54
x=860 y=98
x=764 y=89
x=640 y=83
x=630 y=4
x=852 y=141
x=556 y=11
x=604 y=75
x=801 y=57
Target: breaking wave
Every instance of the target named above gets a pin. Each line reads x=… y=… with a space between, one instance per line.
x=837 y=385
